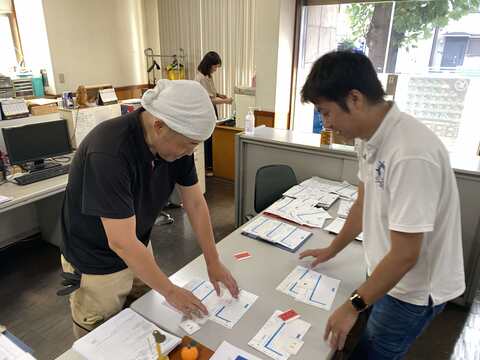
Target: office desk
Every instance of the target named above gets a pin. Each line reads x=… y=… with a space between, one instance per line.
x=35 y=208
x=339 y=162
x=261 y=274
x=224 y=151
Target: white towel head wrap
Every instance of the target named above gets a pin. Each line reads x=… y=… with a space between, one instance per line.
x=183 y=105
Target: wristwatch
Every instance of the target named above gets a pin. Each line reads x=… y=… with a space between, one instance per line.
x=358 y=303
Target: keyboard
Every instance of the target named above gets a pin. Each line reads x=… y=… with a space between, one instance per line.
x=42 y=175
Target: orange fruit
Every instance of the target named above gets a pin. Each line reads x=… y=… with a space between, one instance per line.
x=189 y=353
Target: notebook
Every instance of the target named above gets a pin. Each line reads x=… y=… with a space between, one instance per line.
x=127 y=335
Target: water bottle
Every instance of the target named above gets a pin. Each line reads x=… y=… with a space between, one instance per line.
x=249 y=121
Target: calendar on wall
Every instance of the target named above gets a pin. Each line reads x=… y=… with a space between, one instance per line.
x=438 y=103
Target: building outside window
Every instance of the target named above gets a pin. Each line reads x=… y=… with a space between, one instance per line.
x=431 y=48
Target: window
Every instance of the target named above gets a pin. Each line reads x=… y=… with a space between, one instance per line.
x=433 y=50
x=8 y=59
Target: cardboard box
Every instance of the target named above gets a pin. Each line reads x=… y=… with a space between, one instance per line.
x=43 y=109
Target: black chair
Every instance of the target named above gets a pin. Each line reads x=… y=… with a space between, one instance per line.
x=271 y=182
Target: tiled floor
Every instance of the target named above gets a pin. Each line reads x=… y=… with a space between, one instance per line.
x=29 y=277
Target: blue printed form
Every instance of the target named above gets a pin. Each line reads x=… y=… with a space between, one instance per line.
x=276 y=232
x=224 y=309
x=310 y=287
x=278 y=339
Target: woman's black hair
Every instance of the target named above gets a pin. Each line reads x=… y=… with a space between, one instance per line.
x=211 y=58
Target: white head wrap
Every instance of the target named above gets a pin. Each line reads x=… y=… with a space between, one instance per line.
x=183 y=105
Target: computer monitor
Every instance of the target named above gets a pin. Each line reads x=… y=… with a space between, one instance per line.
x=37 y=142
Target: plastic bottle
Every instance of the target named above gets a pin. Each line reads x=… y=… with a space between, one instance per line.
x=249 y=121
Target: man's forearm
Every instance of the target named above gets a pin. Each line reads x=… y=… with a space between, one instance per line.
x=351 y=229
x=200 y=219
x=141 y=261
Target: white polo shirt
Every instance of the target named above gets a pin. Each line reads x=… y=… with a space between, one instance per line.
x=410 y=187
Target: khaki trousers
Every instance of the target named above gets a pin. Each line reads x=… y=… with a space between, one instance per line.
x=101 y=296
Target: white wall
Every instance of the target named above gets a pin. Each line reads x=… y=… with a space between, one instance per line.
x=274 y=42
x=267 y=20
x=286 y=40
x=33 y=34
x=96 y=42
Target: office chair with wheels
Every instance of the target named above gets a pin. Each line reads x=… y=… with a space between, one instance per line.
x=271 y=182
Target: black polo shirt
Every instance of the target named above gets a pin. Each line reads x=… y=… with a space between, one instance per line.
x=115 y=175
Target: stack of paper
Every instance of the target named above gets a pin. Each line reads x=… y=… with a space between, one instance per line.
x=276 y=232
x=227 y=351
x=310 y=287
x=343 y=189
x=224 y=310
x=347 y=191
x=127 y=335
x=278 y=339
x=336 y=226
x=302 y=211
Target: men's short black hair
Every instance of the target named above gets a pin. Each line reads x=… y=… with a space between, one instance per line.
x=335 y=74
x=211 y=58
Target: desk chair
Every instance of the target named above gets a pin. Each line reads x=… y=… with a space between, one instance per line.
x=271 y=182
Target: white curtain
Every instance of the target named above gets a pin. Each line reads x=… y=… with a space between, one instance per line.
x=199 y=26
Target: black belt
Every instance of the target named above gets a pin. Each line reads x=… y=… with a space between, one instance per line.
x=70 y=282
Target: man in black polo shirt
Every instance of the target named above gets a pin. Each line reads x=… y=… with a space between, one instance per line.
x=120 y=178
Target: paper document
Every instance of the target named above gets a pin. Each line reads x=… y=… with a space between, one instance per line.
x=301 y=211
x=127 y=335
x=276 y=232
x=310 y=287
x=10 y=351
x=227 y=351
x=224 y=310
x=343 y=189
x=347 y=191
x=4 y=199
x=344 y=208
x=278 y=339
x=336 y=226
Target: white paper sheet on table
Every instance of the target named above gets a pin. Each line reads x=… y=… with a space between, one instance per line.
x=276 y=232
x=300 y=211
x=10 y=351
x=310 y=287
x=227 y=351
x=127 y=335
x=347 y=191
x=336 y=226
x=4 y=199
x=277 y=338
x=224 y=310
x=344 y=208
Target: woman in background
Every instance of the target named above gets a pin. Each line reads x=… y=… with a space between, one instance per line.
x=209 y=64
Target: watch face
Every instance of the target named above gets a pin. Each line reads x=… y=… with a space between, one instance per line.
x=358 y=302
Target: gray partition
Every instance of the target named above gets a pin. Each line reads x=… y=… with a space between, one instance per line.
x=338 y=162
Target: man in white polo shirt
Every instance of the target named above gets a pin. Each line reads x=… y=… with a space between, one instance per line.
x=407 y=207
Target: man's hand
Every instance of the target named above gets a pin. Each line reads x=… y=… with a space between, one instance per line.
x=186 y=302
x=320 y=255
x=339 y=325
x=217 y=272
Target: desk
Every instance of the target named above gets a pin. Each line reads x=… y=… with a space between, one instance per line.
x=224 y=151
x=260 y=275
x=339 y=162
x=34 y=208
